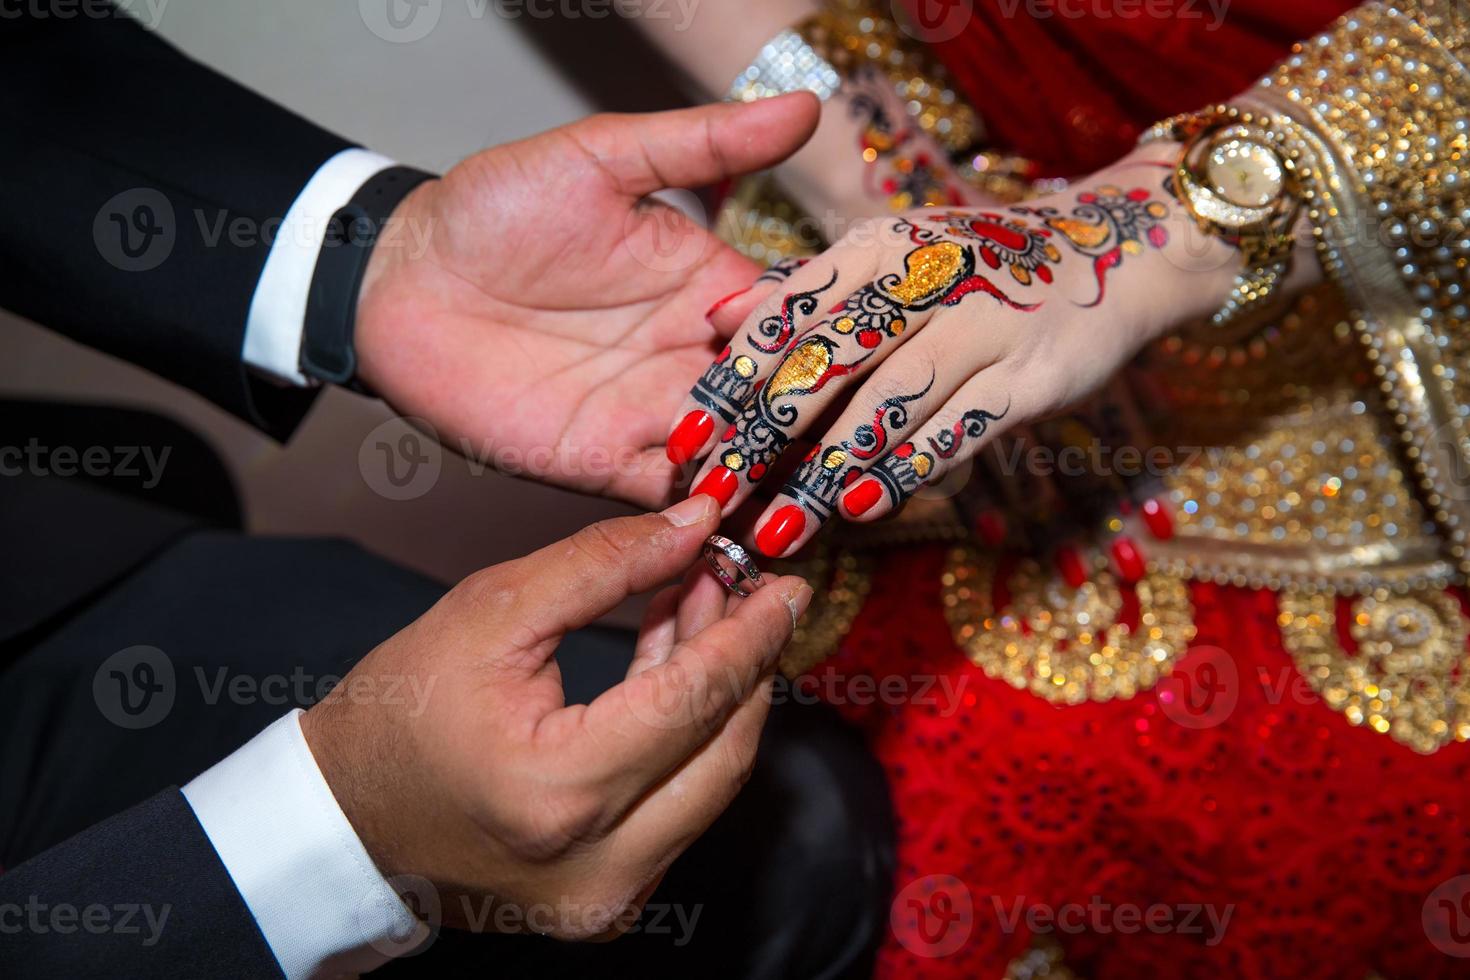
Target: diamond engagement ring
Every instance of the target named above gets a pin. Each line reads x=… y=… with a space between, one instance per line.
x=732 y=565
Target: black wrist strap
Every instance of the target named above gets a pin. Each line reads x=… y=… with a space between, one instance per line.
x=327 y=351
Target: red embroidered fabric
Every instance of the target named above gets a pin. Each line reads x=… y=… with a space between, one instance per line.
x=1022 y=821
x=1072 y=83
x=1321 y=842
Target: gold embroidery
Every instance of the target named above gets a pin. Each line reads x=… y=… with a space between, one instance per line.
x=1045 y=960
x=1410 y=676
x=1285 y=470
x=1063 y=644
x=841 y=581
x=1390 y=99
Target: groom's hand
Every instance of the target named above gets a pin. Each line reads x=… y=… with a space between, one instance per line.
x=492 y=787
x=540 y=312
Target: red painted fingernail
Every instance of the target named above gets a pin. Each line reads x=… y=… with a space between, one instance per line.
x=784 y=527
x=992 y=527
x=689 y=437
x=719 y=305
x=1127 y=559
x=1160 y=522
x=720 y=483
x=1069 y=563
x=861 y=498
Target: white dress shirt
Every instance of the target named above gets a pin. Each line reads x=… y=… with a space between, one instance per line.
x=324 y=908
x=278 y=309
x=321 y=903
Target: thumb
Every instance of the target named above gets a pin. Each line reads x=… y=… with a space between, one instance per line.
x=573 y=582
x=699 y=146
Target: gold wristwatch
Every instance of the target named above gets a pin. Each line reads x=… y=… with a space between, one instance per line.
x=1239 y=175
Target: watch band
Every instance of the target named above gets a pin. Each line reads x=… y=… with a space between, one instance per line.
x=327 y=351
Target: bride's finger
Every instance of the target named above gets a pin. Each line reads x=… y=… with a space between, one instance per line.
x=731 y=311
x=729 y=384
x=823 y=359
x=979 y=412
x=890 y=405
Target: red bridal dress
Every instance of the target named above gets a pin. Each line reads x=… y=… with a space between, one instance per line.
x=1201 y=713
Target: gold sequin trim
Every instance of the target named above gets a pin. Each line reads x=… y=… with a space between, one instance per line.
x=1063 y=644
x=841 y=581
x=1390 y=99
x=1409 y=677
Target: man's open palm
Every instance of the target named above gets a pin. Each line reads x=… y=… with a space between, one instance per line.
x=538 y=310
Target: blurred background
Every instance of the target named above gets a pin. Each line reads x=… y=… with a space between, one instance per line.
x=439 y=81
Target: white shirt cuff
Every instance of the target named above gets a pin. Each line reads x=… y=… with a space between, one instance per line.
x=321 y=903
x=278 y=308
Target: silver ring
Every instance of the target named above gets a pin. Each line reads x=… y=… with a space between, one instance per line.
x=732 y=565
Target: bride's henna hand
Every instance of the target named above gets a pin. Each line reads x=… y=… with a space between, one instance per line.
x=939 y=330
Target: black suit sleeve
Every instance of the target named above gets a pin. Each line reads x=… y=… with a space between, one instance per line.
x=138 y=193
x=142 y=894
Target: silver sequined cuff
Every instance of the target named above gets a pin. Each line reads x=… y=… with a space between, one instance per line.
x=787 y=63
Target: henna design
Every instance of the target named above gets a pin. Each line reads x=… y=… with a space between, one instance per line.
x=1007 y=242
x=822 y=476
x=870 y=440
x=1106 y=225
x=753 y=440
x=931 y=272
x=727 y=384
x=826 y=472
x=758 y=435
x=781 y=270
x=903 y=471
x=971 y=283
x=972 y=425
x=916 y=180
x=780 y=327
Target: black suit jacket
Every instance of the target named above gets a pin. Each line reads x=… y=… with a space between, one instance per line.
x=120 y=161
x=123 y=168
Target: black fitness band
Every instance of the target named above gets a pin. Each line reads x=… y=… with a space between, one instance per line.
x=327 y=351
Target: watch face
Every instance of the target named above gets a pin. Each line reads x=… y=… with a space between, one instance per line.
x=1244 y=172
